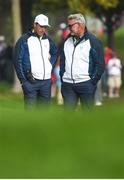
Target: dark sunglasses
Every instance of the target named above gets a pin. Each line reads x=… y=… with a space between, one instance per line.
x=70 y=25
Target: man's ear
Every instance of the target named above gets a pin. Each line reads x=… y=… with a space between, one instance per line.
x=35 y=25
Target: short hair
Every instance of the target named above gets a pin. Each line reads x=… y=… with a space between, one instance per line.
x=78 y=17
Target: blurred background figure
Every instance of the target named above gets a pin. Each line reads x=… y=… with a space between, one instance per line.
x=114 y=76
x=62 y=33
x=102 y=86
x=3 y=47
x=58 y=94
x=98 y=94
x=6 y=66
x=108 y=52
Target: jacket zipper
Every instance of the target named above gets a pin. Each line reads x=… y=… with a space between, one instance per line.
x=72 y=64
x=42 y=59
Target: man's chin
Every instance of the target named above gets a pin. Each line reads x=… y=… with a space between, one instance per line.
x=73 y=34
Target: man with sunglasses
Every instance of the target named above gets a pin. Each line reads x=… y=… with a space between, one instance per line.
x=34 y=56
x=81 y=63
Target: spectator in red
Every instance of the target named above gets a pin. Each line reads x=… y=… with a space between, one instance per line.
x=108 y=54
x=64 y=31
x=114 y=67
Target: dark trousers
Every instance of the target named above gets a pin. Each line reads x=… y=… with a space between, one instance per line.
x=37 y=93
x=84 y=91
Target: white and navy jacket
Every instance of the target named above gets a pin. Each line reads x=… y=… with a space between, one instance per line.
x=83 y=61
x=36 y=55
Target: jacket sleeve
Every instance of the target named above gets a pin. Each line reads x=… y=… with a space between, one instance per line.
x=53 y=52
x=62 y=64
x=18 y=60
x=97 y=56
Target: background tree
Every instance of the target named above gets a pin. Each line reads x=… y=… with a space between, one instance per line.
x=6 y=27
x=26 y=14
x=17 y=30
x=109 y=12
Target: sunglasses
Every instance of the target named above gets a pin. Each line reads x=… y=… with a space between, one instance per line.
x=71 y=25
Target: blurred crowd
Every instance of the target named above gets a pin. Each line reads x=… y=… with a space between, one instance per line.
x=111 y=80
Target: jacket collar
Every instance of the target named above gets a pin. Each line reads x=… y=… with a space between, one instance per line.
x=31 y=33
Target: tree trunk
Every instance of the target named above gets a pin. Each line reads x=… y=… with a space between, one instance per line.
x=110 y=38
x=26 y=6
x=17 y=33
x=110 y=29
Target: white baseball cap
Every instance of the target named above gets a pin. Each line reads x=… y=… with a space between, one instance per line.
x=42 y=20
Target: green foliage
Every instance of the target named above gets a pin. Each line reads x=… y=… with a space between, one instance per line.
x=108 y=4
x=119 y=43
x=87 y=6
x=79 y=6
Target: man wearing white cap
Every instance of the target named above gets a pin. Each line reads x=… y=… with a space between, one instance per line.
x=34 y=56
x=81 y=63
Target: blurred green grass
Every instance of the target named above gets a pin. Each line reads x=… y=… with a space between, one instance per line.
x=54 y=143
